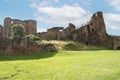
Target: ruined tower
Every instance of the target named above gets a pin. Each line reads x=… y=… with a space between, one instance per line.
x=94 y=31
x=30 y=26
x=7 y=27
x=97 y=24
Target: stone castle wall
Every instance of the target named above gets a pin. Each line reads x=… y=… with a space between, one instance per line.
x=23 y=46
x=30 y=26
x=117 y=43
x=58 y=33
x=1 y=31
x=93 y=32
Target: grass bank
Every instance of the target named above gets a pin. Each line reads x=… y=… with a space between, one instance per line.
x=71 y=45
x=62 y=65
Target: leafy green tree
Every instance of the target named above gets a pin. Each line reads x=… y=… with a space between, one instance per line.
x=18 y=31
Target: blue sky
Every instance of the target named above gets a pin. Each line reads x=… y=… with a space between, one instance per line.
x=52 y=13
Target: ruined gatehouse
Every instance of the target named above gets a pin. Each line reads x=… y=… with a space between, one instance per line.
x=20 y=45
x=30 y=26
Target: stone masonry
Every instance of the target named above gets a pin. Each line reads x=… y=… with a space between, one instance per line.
x=52 y=33
x=23 y=46
x=1 y=31
x=30 y=26
x=93 y=32
x=58 y=33
x=117 y=43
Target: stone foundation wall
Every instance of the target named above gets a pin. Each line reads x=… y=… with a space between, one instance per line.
x=117 y=43
x=23 y=46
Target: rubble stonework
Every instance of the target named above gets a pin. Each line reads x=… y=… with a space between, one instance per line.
x=52 y=33
x=30 y=26
x=68 y=32
x=23 y=46
x=117 y=43
x=58 y=33
x=93 y=32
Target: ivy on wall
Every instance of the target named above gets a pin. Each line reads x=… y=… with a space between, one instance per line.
x=18 y=31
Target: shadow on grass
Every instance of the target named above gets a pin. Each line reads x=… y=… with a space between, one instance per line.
x=33 y=56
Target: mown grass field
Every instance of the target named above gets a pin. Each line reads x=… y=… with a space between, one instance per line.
x=62 y=65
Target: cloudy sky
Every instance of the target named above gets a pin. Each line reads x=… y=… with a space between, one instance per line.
x=51 y=13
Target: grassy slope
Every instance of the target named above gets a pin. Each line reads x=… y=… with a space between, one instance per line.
x=62 y=65
x=70 y=45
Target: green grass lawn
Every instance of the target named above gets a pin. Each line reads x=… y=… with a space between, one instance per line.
x=62 y=65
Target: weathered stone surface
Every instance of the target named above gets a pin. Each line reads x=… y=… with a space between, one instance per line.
x=30 y=26
x=58 y=33
x=93 y=32
x=52 y=33
x=1 y=31
x=117 y=43
x=23 y=46
x=68 y=32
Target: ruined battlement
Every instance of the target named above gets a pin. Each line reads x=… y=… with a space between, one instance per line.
x=93 y=32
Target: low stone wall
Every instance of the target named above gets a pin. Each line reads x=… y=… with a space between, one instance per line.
x=117 y=43
x=23 y=46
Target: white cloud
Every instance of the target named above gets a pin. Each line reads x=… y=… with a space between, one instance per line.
x=37 y=4
x=56 y=1
x=115 y=4
x=112 y=21
x=42 y=3
x=41 y=29
x=62 y=15
x=1 y=21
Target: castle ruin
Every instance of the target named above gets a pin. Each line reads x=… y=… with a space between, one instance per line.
x=30 y=26
x=92 y=33
x=21 y=45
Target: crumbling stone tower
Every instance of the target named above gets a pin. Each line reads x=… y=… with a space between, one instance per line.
x=93 y=32
x=97 y=24
x=30 y=26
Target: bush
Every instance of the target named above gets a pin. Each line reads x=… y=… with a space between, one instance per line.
x=18 y=31
x=33 y=37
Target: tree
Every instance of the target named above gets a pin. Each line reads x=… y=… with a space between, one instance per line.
x=18 y=31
